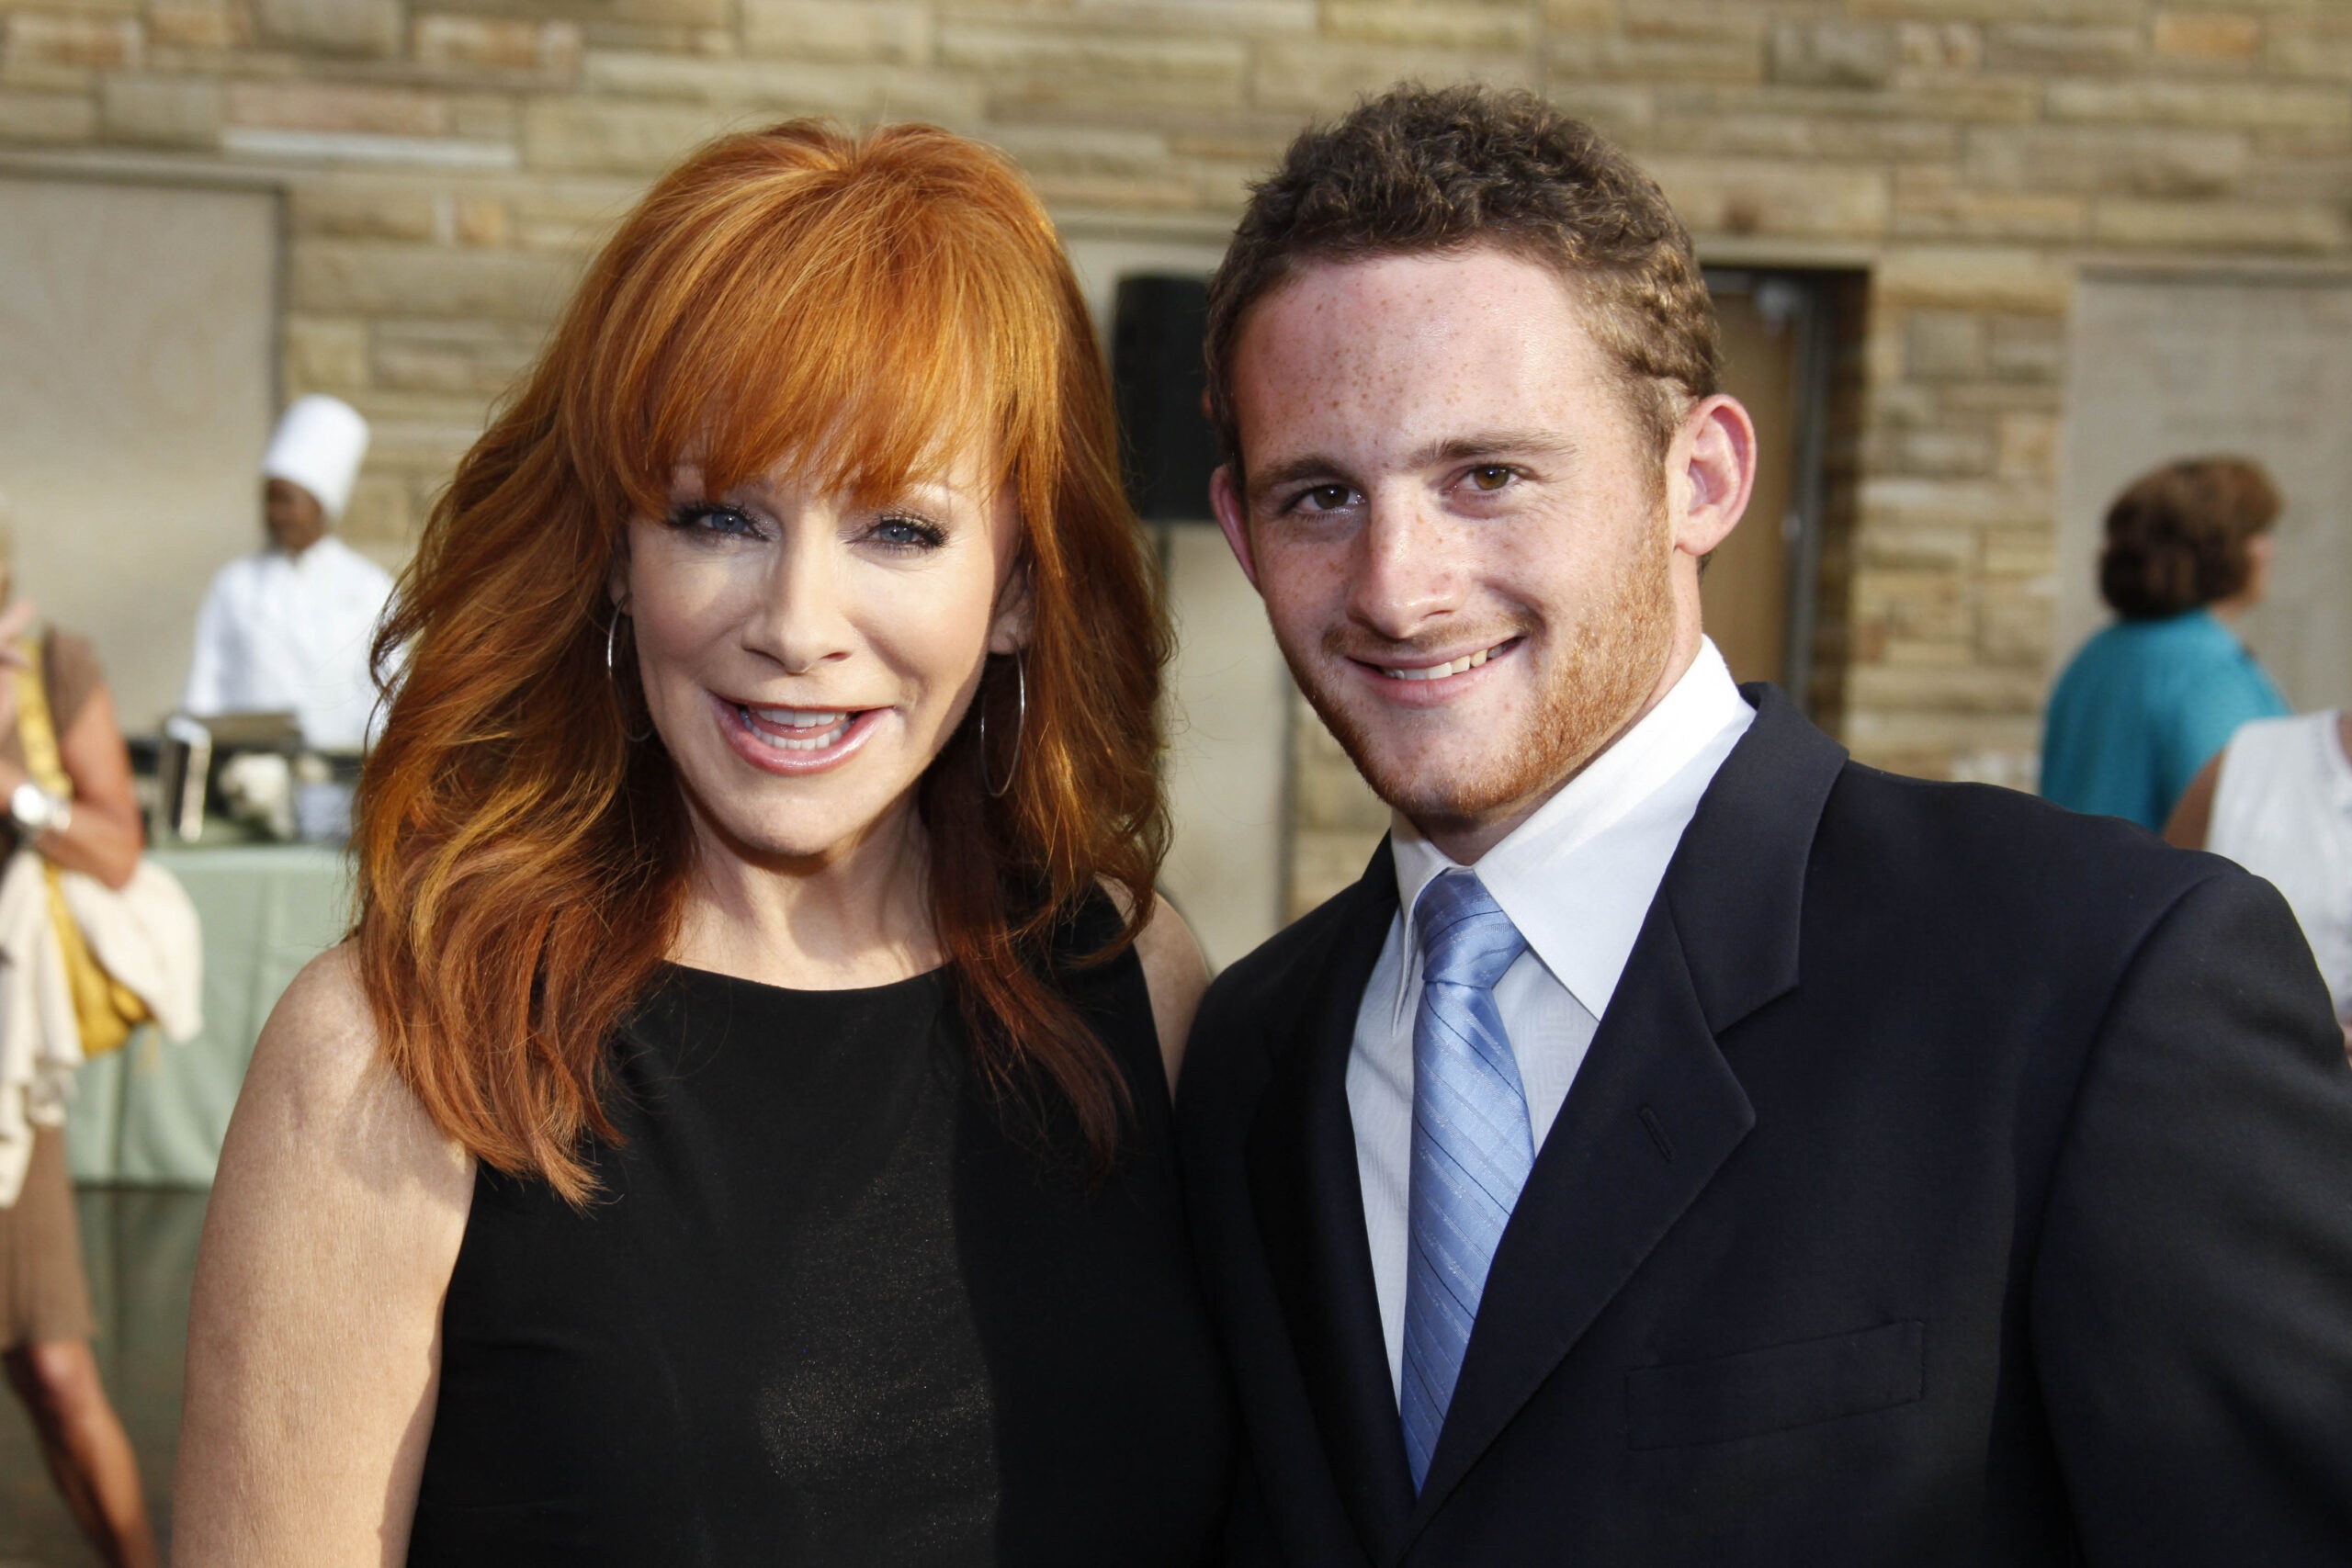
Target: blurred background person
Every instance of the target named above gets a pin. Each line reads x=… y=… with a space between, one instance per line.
x=2279 y=801
x=56 y=719
x=288 y=629
x=2149 y=700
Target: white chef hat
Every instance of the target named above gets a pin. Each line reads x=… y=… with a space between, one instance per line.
x=318 y=442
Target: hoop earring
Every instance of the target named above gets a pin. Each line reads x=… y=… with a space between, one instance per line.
x=612 y=630
x=1020 y=727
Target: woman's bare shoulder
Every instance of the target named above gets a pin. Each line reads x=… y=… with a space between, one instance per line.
x=327 y=1002
x=320 y=1044
x=329 y=1241
x=1175 y=974
x=320 y=1089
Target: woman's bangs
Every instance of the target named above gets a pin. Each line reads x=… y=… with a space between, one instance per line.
x=865 y=361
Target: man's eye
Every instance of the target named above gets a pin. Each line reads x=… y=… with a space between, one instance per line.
x=1327 y=497
x=1490 y=476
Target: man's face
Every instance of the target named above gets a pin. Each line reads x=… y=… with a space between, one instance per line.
x=1472 y=554
x=295 y=518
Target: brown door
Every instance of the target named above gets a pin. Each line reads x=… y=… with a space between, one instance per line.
x=1744 y=594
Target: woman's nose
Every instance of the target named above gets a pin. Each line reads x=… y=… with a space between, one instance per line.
x=802 y=619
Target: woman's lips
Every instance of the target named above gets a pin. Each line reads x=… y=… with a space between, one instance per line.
x=794 y=740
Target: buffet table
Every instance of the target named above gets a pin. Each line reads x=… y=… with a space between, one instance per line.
x=152 y=1114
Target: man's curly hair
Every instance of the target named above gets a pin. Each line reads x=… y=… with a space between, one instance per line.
x=1422 y=170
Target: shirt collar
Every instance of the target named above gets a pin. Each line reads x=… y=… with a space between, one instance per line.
x=1576 y=890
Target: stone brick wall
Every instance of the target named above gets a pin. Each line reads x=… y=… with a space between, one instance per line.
x=449 y=162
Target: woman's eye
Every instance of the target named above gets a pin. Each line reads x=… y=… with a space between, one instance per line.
x=709 y=519
x=1490 y=476
x=907 y=533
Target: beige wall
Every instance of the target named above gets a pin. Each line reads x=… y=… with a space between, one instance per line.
x=138 y=330
x=446 y=162
x=2167 y=367
x=1228 y=738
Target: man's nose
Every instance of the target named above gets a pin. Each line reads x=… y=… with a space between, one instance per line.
x=1408 y=569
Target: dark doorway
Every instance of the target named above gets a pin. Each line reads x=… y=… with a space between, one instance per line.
x=1763 y=595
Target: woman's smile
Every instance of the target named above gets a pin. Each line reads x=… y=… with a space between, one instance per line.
x=795 y=740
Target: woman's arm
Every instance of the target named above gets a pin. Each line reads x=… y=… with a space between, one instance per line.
x=2192 y=817
x=1175 y=974
x=104 y=835
x=313 y=1339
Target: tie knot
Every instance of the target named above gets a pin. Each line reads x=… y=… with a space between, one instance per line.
x=1466 y=939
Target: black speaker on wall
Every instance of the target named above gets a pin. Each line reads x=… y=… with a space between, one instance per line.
x=1157 y=378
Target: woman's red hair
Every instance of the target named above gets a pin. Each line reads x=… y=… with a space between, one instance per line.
x=862 y=307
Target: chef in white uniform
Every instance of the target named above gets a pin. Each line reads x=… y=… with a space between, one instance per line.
x=288 y=629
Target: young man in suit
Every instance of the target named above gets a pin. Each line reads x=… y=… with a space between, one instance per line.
x=1685 y=1145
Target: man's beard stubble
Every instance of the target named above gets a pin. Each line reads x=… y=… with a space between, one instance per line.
x=1600 y=679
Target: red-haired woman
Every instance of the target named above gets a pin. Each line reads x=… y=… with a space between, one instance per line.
x=738 y=1129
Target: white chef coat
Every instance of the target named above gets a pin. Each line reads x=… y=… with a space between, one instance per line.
x=1576 y=878
x=282 y=633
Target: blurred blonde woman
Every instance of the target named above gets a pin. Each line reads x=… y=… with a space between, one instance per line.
x=65 y=779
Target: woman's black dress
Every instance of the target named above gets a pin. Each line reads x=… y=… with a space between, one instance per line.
x=833 y=1306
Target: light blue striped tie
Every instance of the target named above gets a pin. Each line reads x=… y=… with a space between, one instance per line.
x=1472 y=1147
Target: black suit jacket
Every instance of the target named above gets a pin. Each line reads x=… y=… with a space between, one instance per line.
x=1952 y=1180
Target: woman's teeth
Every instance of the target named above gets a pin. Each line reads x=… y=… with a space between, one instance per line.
x=1438 y=672
x=808 y=731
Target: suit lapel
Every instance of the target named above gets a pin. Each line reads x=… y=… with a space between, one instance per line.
x=1302 y=1166
x=1656 y=1109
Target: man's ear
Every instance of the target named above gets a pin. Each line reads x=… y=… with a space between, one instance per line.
x=1711 y=471
x=1233 y=518
x=1016 y=609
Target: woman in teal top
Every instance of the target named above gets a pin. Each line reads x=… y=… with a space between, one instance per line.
x=2149 y=700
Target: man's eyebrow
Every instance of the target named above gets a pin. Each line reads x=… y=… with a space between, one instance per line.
x=1311 y=466
x=1491 y=443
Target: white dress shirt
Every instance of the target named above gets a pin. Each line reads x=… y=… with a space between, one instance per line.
x=290 y=634
x=1576 y=878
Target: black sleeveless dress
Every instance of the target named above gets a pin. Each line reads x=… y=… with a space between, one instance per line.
x=834 y=1306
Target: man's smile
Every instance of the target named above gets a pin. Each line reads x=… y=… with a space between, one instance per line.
x=1441 y=669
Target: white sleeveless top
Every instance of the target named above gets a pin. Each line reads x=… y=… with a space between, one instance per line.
x=2282 y=809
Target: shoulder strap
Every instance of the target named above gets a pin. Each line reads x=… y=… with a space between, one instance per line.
x=36 y=727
